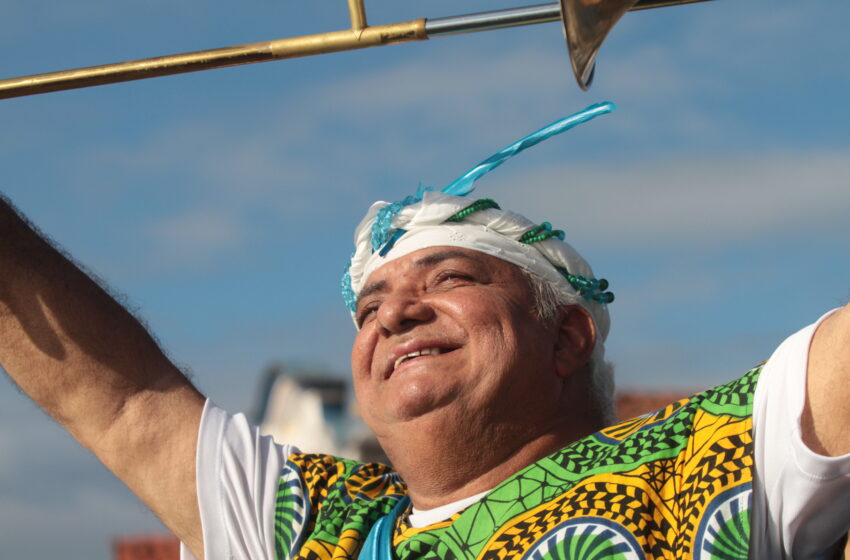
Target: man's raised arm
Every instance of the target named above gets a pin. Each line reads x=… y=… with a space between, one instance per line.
x=826 y=418
x=93 y=367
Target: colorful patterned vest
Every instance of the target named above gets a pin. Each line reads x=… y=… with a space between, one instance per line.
x=674 y=484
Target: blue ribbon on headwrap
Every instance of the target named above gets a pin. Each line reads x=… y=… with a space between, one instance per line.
x=462 y=186
x=383 y=224
x=383 y=234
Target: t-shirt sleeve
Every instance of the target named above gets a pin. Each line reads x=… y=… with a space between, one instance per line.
x=237 y=477
x=801 y=499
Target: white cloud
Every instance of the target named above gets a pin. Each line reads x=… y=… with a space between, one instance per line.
x=196 y=235
x=711 y=201
x=445 y=75
x=645 y=72
x=320 y=143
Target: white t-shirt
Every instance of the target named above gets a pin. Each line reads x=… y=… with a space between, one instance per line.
x=801 y=500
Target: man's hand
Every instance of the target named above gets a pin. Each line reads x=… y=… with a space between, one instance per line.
x=826 y=417
x=93 y=367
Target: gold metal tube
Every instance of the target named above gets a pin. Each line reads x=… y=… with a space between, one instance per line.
x=279 y=49
x=358 y=14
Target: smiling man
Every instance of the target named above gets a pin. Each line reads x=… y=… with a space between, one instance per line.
x=451 y=350
x=479 y=362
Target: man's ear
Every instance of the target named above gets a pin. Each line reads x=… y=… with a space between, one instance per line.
x=576 y=339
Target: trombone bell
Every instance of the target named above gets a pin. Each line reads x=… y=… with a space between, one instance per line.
x=586 y=24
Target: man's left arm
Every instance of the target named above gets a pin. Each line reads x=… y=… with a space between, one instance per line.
x=825 y=422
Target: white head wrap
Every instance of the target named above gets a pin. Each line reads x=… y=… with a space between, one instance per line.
x=490 y=231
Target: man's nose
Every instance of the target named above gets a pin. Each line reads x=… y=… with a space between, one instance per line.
x=400 y=313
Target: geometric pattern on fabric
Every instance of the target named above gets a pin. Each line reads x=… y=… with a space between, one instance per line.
x=724 y=532
x=586 y=538
x=676 y=481
x=291 y=511
x=345 y=499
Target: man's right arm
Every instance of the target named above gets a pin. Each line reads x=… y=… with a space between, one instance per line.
x=93 y=367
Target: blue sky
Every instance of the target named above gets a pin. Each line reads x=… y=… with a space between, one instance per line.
x=221 y=204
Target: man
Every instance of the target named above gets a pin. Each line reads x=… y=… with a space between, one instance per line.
x=479 y=363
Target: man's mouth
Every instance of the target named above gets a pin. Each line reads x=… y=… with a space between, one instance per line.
x=416 y=350
x=417 y=353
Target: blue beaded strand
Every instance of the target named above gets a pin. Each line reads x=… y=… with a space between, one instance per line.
x=348 y=295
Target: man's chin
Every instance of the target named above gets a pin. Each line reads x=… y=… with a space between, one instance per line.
x=417 y=405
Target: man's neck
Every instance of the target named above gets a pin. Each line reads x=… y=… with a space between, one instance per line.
x=441 y=466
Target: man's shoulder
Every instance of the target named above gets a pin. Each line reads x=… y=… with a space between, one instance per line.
x=664 y=433
x=733 y=399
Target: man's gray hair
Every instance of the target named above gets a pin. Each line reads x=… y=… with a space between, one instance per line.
x=548 y=300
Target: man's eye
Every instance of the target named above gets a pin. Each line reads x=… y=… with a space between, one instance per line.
x=453 y=276
x=365 y=313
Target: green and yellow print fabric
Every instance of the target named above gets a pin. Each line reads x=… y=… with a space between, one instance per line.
x=674 y=484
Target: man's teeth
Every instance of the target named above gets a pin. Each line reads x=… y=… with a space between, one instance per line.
x=425 y=352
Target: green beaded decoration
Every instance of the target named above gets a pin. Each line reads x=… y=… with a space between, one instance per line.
x=541 y=233
x=588 y=288
x=478 y=205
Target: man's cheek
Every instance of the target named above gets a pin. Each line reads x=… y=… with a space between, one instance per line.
x=362 y=355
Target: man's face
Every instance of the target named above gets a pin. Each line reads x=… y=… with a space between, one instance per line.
x=449 y=330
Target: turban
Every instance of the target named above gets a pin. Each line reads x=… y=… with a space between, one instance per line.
x=447 y=218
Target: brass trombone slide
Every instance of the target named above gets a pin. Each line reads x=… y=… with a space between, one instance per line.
x=591 y=21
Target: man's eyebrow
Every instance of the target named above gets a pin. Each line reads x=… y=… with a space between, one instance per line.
x=371 y=289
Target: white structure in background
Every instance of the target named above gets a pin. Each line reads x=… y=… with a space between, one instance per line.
x=312 y=412
x=295 y=415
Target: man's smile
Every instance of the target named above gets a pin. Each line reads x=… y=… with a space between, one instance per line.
x=417 y=353
x=413 y=351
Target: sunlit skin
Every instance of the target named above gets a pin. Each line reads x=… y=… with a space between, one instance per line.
x=504 y=390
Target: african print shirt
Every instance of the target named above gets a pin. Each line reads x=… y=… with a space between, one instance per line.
x=674 y=484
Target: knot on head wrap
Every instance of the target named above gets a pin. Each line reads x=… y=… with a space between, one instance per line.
x=432 y=219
